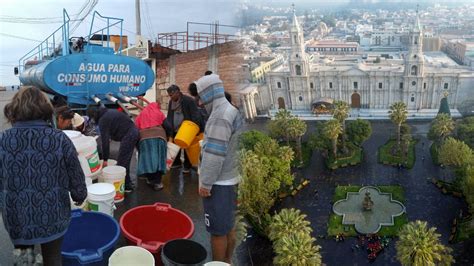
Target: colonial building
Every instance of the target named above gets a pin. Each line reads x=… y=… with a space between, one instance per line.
x=302 y=82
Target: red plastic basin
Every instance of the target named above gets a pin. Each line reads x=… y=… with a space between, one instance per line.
x=151 y=226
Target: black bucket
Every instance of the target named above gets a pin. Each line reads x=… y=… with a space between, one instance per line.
x=183 y=252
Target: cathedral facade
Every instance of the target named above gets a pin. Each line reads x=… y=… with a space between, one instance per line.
x=303 y=81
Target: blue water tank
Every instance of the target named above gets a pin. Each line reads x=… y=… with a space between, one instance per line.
x=81 y=76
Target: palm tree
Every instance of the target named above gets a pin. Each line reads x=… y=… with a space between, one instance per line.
x=398 y=114
x=406 y=139
x=332 y=130
x=340 y=113
x=420 y=245
x=278 y=127
x=296 y=129
x=443 y=125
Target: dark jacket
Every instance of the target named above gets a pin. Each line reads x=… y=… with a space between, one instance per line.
x=38 y=168
x=113 y=125
x=190 y=112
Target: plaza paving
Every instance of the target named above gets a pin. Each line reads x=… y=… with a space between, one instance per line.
x=423 y=201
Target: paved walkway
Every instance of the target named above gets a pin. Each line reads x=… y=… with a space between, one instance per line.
x=423 y=200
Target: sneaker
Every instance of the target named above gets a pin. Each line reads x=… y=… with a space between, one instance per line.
x=174 y=166
x=128 y=189
x=186 y=170
x=158 y=187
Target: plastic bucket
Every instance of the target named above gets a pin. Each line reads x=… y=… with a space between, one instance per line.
x=183 y=252
x=216 y=263
x=90 y=239
x=186 y=134
x=131 y=255
x=100 y=198
x=115 y=175
x=194 y=150
x=171 y=152
x=150 y=226
x=87 y=152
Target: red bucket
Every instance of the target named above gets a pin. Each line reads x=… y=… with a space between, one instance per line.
x=151 y=226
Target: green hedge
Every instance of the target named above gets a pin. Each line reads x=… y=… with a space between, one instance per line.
x=386 y=157
x=336 y=227
x=355 y=158
x=465 y=230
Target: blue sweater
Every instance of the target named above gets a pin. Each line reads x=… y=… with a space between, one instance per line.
x=38 y=167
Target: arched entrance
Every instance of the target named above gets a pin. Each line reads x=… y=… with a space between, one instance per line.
x=281 y=103
x=355 y=100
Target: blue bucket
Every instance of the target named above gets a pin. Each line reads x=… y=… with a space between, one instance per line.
x=90 y=239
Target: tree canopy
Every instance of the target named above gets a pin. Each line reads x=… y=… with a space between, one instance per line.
x=264 y=170
x=455 y=152
x=420 y=245
x=358 y=131
x=465 y=131
x=249 y=139
x=442 y=126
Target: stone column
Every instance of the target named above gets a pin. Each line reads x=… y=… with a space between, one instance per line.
x=456 y=87
x=252 y=105
x=371 y=102
x=244 y=100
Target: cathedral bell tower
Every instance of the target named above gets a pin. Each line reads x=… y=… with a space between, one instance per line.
x=298 y=59
x=414 y=67
x=414 y=62
x=299 y=92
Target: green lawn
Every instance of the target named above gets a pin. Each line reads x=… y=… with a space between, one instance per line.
x=385 y=156
x=335 y=225
x=355 y=158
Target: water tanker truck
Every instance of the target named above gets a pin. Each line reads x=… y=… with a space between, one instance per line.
x=86 y=71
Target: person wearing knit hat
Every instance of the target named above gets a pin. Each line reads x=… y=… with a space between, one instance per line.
x=77 y=121
x=83 y=124
x=219 y=176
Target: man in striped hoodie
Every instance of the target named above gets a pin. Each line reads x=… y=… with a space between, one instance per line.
x=219 y=175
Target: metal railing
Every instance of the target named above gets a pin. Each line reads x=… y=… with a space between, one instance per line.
x=47 y=49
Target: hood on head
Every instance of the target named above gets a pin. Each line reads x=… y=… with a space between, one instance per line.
x=210 y=89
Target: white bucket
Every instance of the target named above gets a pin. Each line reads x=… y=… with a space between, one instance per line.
x=100 y=197
x=216 y=263
x=171 y=153
x=115 y=175
x=88 y=156
x=131 y=255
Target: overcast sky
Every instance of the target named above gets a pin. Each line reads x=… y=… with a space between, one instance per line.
x=161 y=16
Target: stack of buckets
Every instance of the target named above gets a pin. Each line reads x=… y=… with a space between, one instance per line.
x=187 y=138
x=110 y=189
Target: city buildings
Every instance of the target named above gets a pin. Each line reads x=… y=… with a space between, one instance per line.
x=365 y=82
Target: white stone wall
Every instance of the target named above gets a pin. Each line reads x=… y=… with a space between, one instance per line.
x=372 y=96
x=465 y=96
